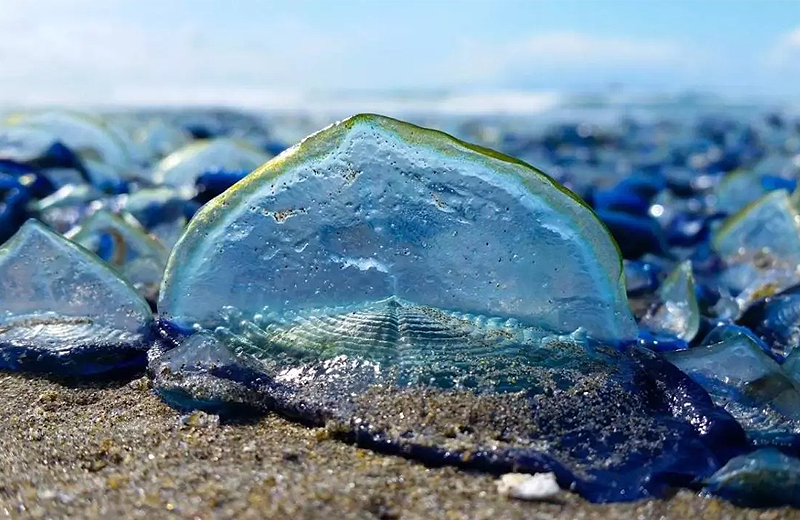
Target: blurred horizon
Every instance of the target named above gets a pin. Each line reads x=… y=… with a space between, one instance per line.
x=455 y=57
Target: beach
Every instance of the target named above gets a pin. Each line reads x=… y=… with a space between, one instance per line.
x=114 y=450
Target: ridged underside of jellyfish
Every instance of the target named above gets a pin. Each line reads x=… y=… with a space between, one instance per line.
x=68 y=345
x=422 y=344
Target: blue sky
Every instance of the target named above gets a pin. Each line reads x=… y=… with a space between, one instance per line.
x=247 y=51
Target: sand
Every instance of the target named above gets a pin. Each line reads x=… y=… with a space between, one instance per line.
x=116 y=451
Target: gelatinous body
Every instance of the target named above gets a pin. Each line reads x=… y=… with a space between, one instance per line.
x=776 y=320
x=765 y=478
x=159 y=138
x=163 y=211
x=412 y=292
x=182 y=167
x=738 y=373
x=769 y=228
x=100 y=149
x=677 y=312
x=121 y=242
x=67 y=207
x=62 y=310
x=373 y=208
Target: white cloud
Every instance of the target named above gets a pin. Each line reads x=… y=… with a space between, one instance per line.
x=71 y=51
x=186 y=52
x=786 y=51
x=564 y=51
x=573 y=48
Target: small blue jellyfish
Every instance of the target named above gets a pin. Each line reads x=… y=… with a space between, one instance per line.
x=741 y=376
x=181 y=168
x=120 y=240
x=676 y=313
x=764 y=478
x=62 y=310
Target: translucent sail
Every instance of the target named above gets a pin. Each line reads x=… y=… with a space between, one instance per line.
x=373 y=208
x=57 y=301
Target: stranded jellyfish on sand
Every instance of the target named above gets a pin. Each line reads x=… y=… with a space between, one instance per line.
x=432 y=298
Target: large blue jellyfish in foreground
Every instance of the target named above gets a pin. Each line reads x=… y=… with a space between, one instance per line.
x=430 y=298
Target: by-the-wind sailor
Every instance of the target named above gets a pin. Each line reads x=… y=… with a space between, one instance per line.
x=122 y=242
x=101 y=150
x=204 y=372
x=63 y=310
x=408 y=290
x=159 y=138
x=737 y=190
x=776 y=320
x=68 y=206
x=36 y=147
x=752 y=281
x=182 y=167
x=741 y=187
x=764 y=478
x=761 y=248
x=732 y=364
x=768 y=230
x=84 y=134
x=677 y=312
x=778 y=165
x=163 y=211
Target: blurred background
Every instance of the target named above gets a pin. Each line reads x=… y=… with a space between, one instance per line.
x=121 y=118
x=664 y=116
x=394 y=56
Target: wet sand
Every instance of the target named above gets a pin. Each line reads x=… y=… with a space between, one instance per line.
x=116 y=451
